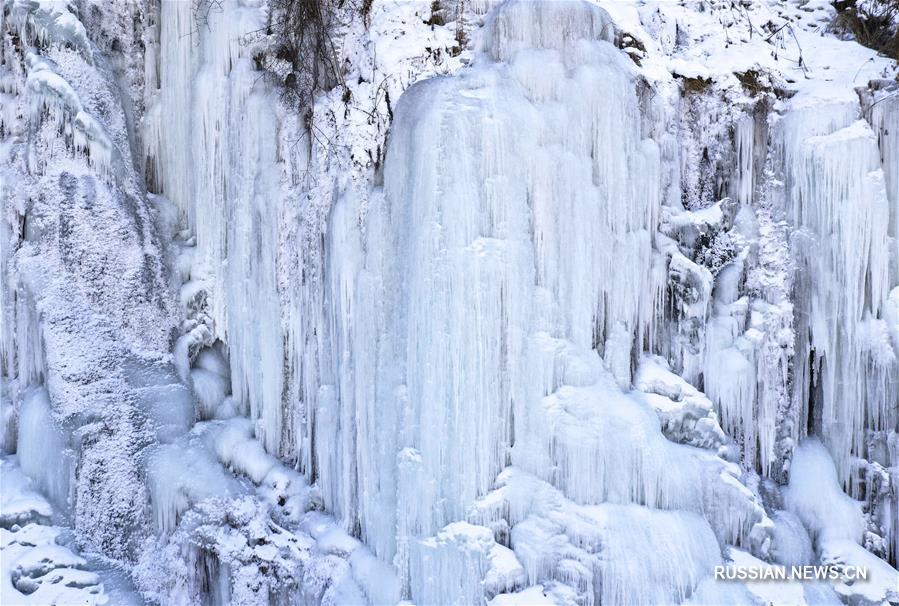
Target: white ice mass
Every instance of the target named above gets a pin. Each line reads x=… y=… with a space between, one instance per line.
x=513 y=302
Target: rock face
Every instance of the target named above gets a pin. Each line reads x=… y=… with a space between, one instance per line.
x=563 y=302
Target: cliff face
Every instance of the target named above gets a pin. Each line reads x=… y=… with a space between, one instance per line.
x=523 y=301
x=87 y=303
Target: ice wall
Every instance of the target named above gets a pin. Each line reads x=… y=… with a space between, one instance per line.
x=475 y=303
x=837 y=192
x=552 y=347
x=798 y=339
x=210 y=138
x=466 y=259
x=484 y=310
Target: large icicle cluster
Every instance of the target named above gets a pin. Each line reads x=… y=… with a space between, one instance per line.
x=836 y=190
x=488 y=277
x=211 y=146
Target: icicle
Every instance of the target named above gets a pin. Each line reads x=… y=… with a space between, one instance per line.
x=730 y=378
x=179 y=475
x=47 y=23
x=522 y=25
x=26 y=349
x=883 y=114
x=449 y=568
x=744 y=179
x=85 y=136
x=210 y=139
x=43 y=449
x=467 y=273
x=608 y=554
x=839 y=201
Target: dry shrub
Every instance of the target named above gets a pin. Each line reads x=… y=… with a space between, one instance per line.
x=873 y=23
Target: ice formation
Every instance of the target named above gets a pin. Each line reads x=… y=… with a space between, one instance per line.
x=560 y=302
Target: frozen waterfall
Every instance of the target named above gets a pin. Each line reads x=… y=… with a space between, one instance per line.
x=537 y=302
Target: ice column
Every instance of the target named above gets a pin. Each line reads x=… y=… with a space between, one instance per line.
x=211 y=146
x=838 y=197
x=514 y=194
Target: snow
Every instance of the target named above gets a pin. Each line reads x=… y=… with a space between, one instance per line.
x=532 y=596
x=19 y=501
x=36 y=571
x=38 y=564
x=814 y=495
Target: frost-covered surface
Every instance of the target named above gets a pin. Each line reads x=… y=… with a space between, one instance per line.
x=86 y=300
x=543 y=302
